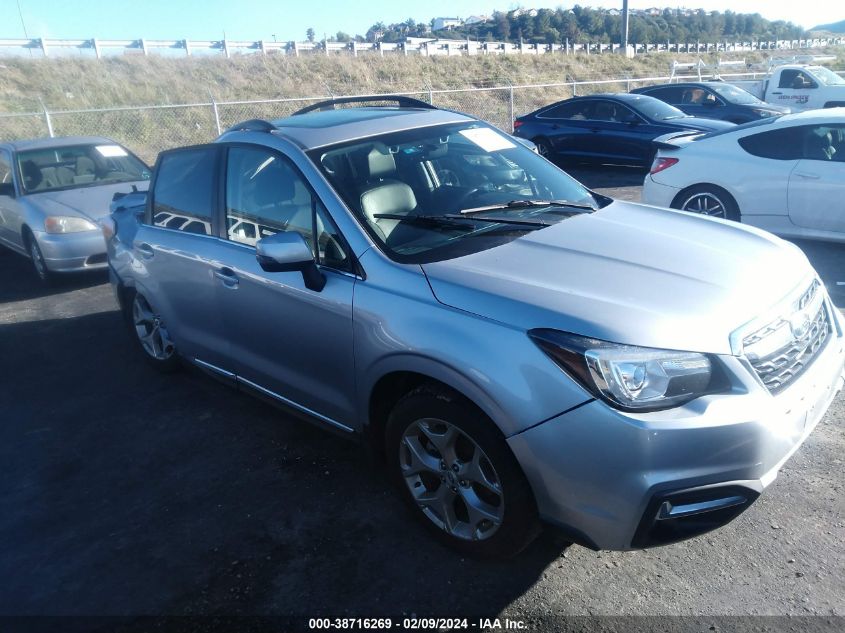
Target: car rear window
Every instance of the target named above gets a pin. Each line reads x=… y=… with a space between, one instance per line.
x=183 y=190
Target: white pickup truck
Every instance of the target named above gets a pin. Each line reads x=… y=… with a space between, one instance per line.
x=799 y=86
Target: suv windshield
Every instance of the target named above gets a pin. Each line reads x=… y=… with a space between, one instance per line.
x=732 y=94
x=75 y=166
x=438 y=192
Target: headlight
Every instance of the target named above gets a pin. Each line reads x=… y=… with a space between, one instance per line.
x=763 y=112
x=629 y=377
x=67 y=224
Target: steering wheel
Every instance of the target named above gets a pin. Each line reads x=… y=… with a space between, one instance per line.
x=472 y=193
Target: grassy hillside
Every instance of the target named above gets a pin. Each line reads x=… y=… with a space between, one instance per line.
x=72 y=83
x=78 y=83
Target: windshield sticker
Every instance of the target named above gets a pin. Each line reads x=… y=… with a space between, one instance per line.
x=111 y=151
x=487 y=139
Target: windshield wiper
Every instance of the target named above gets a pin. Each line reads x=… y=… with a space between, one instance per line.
x=455 y=220
x=525 y=204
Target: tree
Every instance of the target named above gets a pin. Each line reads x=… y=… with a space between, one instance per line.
x=343 y=37
x=310 y=34
x=502 y=26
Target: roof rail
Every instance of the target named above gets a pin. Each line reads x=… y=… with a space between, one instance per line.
x=800 y=59
x=253 y=125
x=401 y=101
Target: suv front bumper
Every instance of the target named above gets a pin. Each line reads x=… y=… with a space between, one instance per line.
x=617 y=481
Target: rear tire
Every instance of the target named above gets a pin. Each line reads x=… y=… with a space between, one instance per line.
x=149 y=333
x=455 y=471
x=708 y=200
x=544 y=148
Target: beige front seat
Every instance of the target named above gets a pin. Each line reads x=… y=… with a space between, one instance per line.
x=385 y=194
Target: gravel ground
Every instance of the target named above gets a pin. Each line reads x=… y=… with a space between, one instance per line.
x=125 y=492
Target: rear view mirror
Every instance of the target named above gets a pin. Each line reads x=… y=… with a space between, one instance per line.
x=287 y=251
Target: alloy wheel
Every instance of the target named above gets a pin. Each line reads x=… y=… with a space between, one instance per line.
x=150 y=329
x=451 y=479
x=705 y=203
x=38 y=260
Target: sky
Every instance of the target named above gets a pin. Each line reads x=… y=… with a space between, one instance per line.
x=288 y=20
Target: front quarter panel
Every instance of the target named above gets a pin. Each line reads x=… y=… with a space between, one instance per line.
x=400 y=326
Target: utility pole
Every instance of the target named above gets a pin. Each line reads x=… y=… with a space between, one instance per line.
x=625 y=27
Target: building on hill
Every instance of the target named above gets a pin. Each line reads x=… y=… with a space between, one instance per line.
x=446 y=23
x=477 y=19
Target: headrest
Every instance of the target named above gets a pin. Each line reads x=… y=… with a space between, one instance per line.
x=84 y=165
x=381 y=163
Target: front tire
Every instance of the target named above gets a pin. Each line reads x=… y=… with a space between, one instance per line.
x=39 y=264
x=708 y=200
x=457 y=474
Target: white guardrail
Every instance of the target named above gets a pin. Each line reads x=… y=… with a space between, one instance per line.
x=100 y=47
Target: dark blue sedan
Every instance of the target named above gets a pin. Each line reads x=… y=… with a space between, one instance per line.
x=608 y=128
x=714 y=100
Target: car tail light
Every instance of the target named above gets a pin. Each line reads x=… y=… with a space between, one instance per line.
x=516 y=125
x=660 y=163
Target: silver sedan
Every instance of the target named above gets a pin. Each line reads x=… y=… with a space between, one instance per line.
x=53 y=194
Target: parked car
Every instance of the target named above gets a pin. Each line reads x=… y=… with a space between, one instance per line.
x=518 y=348
x=607 y=128
x=713 y=100
x=54 y=192
x=799 y=86
x=785 y=174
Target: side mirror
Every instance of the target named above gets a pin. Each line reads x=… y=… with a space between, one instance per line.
x=7 y=189
x=287 y=251
x=631 y=120
x=710 y=103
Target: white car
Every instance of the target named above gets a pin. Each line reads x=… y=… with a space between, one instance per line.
x=783 y=174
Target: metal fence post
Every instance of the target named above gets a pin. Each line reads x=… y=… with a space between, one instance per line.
x=430 y=93
x=216 y=112
x=47 y=118
x=510 y=94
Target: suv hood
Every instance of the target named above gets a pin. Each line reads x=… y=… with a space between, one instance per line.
x=630 y=274
x=89 y=202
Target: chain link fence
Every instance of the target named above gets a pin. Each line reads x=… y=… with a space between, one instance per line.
x=151 y=129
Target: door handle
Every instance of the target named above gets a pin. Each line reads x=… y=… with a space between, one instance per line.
x=228 y=277
x=801 y=174
x=555 y=126
x=145 y=250
x=777 y=93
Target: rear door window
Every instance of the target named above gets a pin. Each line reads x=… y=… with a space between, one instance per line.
x=578 y=110
x=183 y=194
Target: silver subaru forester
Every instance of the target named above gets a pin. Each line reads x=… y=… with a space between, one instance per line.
x=520 y=349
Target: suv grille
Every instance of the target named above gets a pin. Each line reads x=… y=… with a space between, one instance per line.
x=797 y=340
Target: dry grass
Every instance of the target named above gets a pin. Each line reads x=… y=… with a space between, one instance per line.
x=77 y=83
x=72 y=83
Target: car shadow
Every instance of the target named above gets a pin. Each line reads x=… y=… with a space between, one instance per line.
x=605 y=176
x=132 y=492
x=18 y=281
